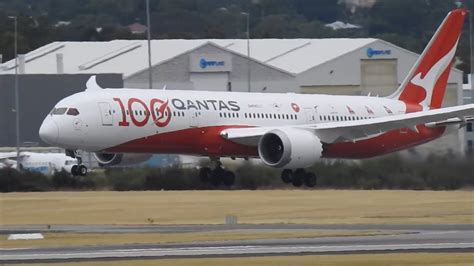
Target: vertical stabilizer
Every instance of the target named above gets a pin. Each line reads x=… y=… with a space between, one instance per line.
x=425 y=84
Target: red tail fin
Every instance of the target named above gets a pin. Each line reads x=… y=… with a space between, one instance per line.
x=426 y=82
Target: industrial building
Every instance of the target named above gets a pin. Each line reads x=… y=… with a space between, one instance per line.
x=332 y=66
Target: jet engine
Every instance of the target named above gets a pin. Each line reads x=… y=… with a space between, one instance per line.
x=290 y=148
x=122 y=159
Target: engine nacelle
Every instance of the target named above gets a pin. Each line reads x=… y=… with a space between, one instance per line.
x=290 y=148
x=123 y=159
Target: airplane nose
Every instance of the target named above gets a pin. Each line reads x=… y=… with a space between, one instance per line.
x=49 y=131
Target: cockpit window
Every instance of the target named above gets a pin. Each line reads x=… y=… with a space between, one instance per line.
x=73 y=111
x=58 y=111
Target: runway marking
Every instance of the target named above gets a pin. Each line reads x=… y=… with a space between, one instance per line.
x=230 y=250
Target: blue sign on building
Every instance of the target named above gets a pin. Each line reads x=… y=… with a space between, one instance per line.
x=203 y=63
x=372 y=52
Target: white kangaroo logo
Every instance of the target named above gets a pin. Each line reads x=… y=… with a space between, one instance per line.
x=429 y=80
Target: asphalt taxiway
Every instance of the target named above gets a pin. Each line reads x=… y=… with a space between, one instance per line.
x=405 y=238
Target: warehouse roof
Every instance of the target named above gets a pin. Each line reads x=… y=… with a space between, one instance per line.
x=130 y=56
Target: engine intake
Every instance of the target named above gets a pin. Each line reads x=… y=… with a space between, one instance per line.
x=289 y=148
x=124 y=159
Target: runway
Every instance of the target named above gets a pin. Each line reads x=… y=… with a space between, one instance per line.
x=406 y=238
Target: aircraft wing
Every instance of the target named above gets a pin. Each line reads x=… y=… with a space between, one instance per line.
x=8 y=156
x=352 y=130
x=8 y=159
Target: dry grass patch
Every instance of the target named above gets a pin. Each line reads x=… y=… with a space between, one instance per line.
x=83 y=239
x=210 y=207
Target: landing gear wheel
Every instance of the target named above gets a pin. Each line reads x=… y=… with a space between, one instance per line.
x=228 y=178
x=205 y=174
x=217 y=176
x=310 y=180
x=287 y=176
x=298 y=177
x=82 y=170
x=74 y=170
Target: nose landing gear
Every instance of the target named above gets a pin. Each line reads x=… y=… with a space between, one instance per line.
x=299 y=177
x=217 y=175
x=77 y=169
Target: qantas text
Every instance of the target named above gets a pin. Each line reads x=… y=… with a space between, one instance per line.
x=160 y=112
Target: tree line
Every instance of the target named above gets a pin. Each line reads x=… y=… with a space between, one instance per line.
x=390 y=172
x=407 y=23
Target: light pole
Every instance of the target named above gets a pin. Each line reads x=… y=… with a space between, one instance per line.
x=148 y=32
x=17 y=96
x=470 y=49
x=249 y=72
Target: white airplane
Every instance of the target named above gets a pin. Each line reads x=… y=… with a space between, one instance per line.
x=46 y=163
x=286 y=131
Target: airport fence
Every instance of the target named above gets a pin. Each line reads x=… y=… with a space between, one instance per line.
x=392 y=172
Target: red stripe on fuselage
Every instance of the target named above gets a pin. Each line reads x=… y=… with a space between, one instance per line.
x=195 y=141
x=208 y=142
x=390 y=141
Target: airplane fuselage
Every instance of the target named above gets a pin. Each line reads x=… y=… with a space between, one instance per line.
x=191 y=122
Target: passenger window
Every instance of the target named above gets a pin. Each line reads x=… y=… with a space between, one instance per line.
x=73 y=111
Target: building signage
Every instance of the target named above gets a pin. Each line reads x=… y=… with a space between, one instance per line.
x=210 y=63
x=204 y=63
x=373 y=52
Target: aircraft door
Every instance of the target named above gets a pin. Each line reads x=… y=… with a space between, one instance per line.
x=310 y=115
x=106 y=114
x=193 y=118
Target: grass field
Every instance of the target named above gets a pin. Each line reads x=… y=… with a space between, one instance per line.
x=210 y=207
x=405 y=259
x=81 y=239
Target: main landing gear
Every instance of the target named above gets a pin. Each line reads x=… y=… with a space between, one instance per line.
x=299 y=177
x=217 y=175
x=77 y=169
